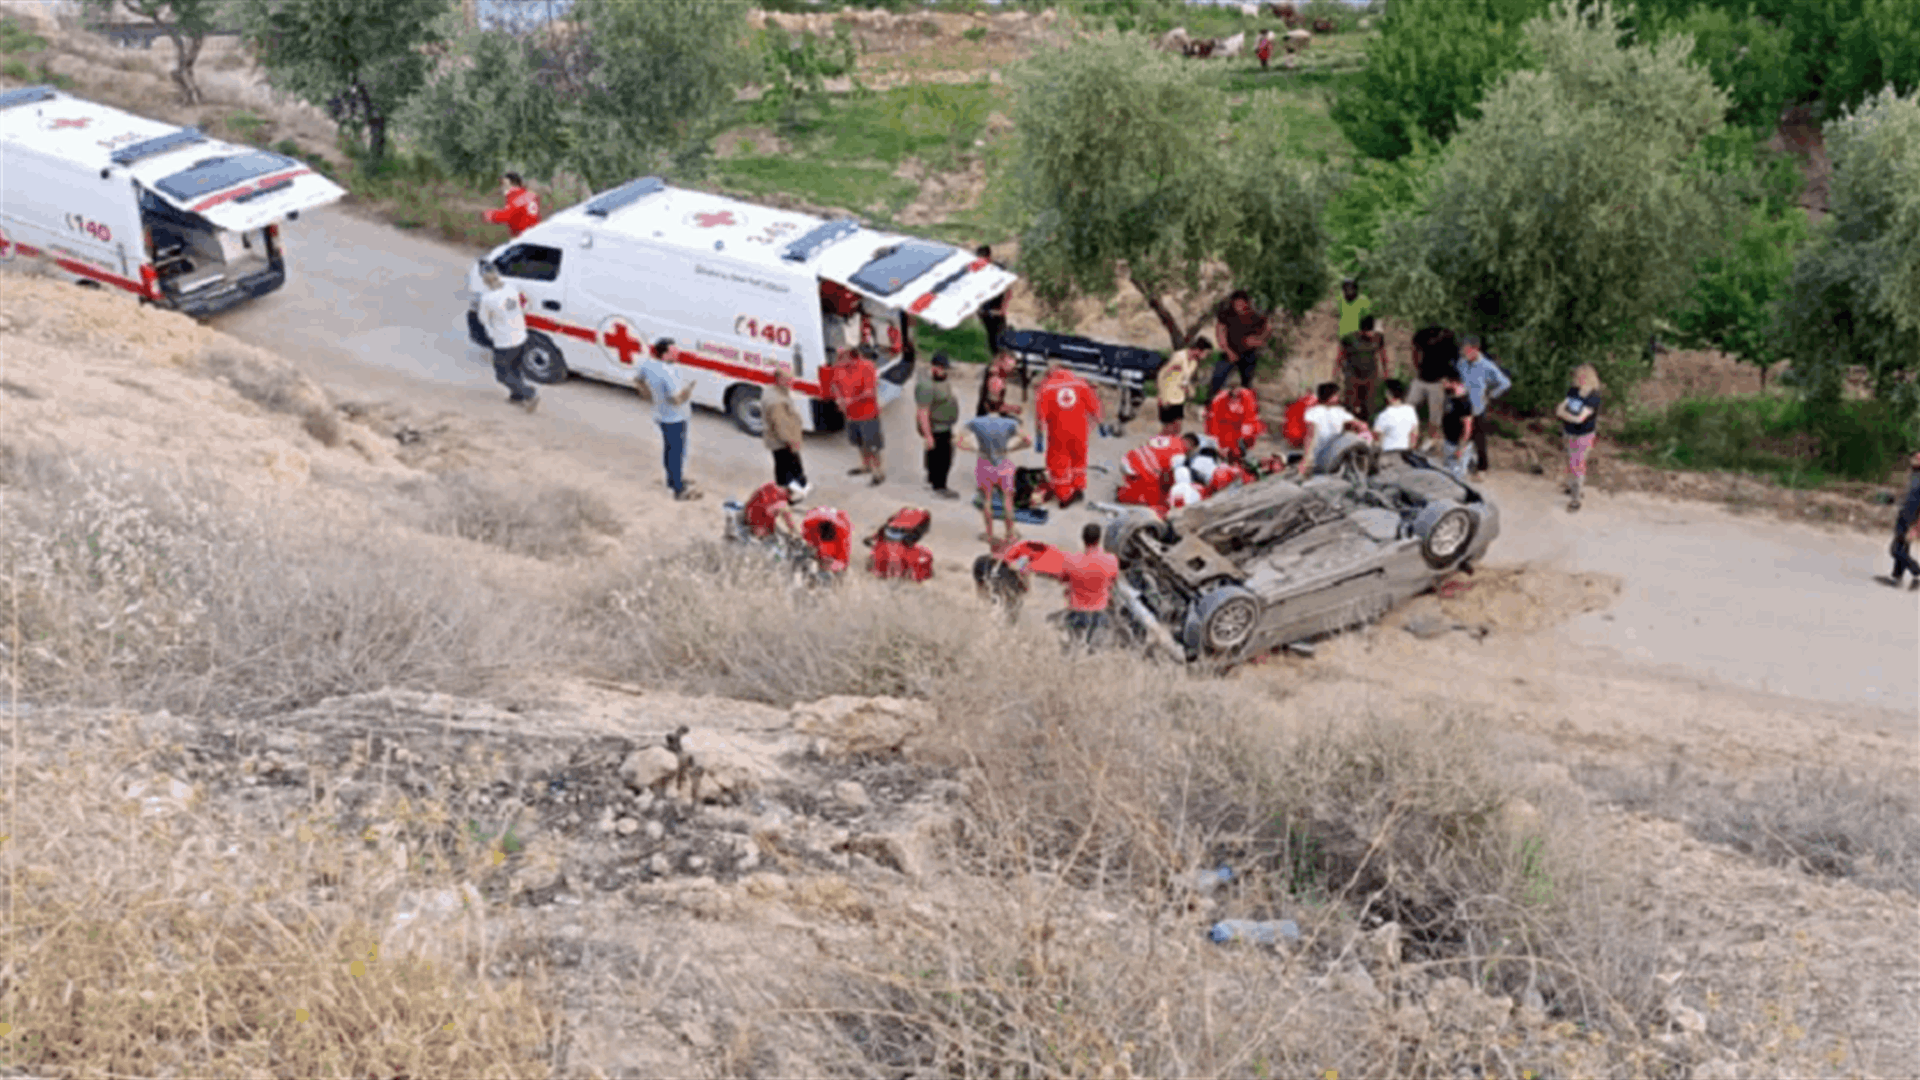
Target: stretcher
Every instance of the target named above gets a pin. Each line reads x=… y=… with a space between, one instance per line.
x=1126 y=368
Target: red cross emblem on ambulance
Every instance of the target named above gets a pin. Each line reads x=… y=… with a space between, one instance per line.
x=621 y=340
x=75 y=122
x=6 y=246
x=721 y=217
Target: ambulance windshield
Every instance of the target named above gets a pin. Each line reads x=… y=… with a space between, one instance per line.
x=218 y=174
x=895 y=268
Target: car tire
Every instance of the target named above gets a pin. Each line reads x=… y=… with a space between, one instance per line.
x=1347 y=456
x=743 y=405
x=1224 y=620
x=1124 y=532
x=541 y=361
x=1446 y=530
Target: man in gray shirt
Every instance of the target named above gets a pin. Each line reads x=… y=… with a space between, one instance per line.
x=659 y=380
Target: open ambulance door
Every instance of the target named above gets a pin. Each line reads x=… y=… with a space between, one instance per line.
x=937 y=283
x=241 y=192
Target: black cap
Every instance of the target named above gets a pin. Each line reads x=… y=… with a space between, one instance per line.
x=661 y=346
x=940 y=360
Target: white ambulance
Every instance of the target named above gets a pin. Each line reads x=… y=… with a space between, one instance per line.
x=740 y=288
x=164 y=212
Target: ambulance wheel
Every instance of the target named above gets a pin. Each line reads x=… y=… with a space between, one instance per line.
x=743 y=404
x=1224 y=619
x=541 y=360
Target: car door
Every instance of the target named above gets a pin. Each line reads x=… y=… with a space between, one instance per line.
x=534 y=269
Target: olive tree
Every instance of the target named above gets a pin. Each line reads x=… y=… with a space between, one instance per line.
x=186 y=24
x=1571 y=212
x=1853 y=299
x=1124 y=174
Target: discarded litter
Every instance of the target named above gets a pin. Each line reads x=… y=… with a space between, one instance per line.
x=1260 y=933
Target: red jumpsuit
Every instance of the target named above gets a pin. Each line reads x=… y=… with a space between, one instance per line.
x=836 y=553
x=521 y=213
x=1226 y=476
x=1234 y=422
x=1145 y=469
x=763 y=509
x=1067 y=409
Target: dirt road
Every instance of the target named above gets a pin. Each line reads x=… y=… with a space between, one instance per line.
x=1755 y=605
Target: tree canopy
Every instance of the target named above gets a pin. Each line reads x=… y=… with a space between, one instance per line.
x=1854 y=295
x=1571 y=213
x=1123 y=167
x=187 y=24
x=361 y=60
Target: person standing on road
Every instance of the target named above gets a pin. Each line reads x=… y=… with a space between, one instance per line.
x=506 y=323
x=522 y=211
x=1089 y=576
x=659 y=380
x=1242 y=331
x=1580 y=420
x=1175 y=381
x=1065 y=412
x=783 y=430
x=938 y=412
x=1484 y=381
x=1456 y=428
x=1435 y=355
x=1358 y=363
x=856 y=386
x=1906 y=530
x=995 y=437
x=993 y=313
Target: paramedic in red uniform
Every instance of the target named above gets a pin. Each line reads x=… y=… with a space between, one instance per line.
x=1234 y=422
x=522 y=211
x=830 y=534
x=1145 y=469
x=770 y=510
x=1089 y=576
x=1067 y=409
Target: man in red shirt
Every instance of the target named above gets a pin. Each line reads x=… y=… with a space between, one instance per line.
x=1066 y=411
x=856 y=387
x=1089 y=576
x=522 y=211
x=770 y=510
x=1233 y=419
x=1144 y=472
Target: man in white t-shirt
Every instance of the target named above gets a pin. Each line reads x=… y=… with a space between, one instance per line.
x=1397 y=422
x=1325 y=422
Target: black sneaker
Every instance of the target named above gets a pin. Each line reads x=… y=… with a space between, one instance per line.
x=1890 y=581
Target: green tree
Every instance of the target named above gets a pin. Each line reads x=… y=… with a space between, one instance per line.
x=1121 y=177
x=186 y=22
x=490 y=110
x=644 y=85
x=1429 y=68
x=1571 y=213
x=1854 y=296
x=361 y=60
x=1750 y=57
x=1731 y=304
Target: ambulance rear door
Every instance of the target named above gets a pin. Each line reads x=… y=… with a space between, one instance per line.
x=934 y=282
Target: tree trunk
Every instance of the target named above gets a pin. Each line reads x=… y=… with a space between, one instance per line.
x=186 y=51
x=376 y=137
x=1168 y=320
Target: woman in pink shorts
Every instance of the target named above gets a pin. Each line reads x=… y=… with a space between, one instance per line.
x=994 y=437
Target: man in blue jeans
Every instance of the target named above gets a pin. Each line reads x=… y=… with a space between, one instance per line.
x=659 y=381
x=1906 y=529
x=1484 y=381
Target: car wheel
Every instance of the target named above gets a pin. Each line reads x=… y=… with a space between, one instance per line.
x=1225 y=618
x=1446 y=530
x=743 y=405
x=1125 y=531
x=541 y=360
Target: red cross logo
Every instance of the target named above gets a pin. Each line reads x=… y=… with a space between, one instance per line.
x=6 y=246
x=618 y=338
x=708 y=221
x=76 y=123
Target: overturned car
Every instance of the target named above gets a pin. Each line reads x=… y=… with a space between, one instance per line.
x=1280 y=562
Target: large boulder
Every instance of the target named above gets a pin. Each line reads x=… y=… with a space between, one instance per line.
x=845 y=726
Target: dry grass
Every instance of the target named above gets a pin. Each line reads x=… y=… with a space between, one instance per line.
x=151 y=935
x=277 y=387
x=554 y=522
x=154 y=591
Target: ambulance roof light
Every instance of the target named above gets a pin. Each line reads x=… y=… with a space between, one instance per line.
x=817 y=238
x=625 y=195
x=147 y=148
x=26 y=95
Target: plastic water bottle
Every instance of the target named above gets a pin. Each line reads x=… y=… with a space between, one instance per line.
x=1260 y=933
x=1205 y=881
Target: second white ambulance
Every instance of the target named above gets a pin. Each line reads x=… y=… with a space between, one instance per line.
x=741 y=288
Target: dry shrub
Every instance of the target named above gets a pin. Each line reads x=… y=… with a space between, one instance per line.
x=1816 y=821
x=149 y=935
x=276 y=387
x=1102 y=781
x=551 y=522
x=146 y=590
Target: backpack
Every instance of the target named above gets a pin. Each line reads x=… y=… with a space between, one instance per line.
x=1295 y=428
